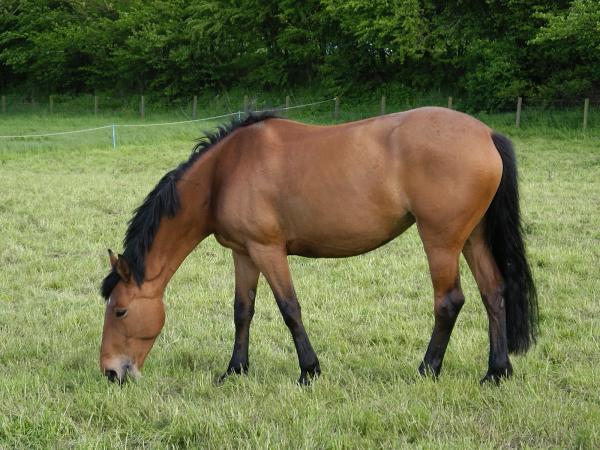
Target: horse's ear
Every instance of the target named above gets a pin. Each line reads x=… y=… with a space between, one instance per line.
x=119 y=265
x=122 y=268
x=113 y=258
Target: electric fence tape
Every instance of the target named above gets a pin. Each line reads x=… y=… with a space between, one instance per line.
x=115 y=126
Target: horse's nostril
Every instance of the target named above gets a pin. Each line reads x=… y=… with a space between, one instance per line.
x=112 y=375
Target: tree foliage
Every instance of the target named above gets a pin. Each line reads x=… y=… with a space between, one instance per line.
x=490 y=51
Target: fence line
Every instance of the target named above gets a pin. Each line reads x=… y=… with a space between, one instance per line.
x=336 y=114
x=57 y=133
x=160 y=124
x=287 y=108
x=130 y=125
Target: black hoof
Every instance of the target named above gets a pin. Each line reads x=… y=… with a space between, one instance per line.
x=425 y=370
x=495 y=376
x=307 y=375
x=113 y=377
x=233 y=370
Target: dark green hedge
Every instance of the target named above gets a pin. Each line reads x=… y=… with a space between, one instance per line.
x=488 y=52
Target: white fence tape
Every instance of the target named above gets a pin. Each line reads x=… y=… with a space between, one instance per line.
x=58 y=133
x=115 y=126
x=128 y=125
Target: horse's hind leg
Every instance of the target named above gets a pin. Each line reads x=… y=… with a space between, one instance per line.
x=246 y=279
x=489 y=281
x=448 y=300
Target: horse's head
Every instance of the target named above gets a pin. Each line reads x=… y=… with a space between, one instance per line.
x=134 y=317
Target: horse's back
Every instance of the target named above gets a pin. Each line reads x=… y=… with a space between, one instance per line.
x=346 y=189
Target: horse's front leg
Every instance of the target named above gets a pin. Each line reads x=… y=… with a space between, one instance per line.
x=272 y=262
x=246 y=279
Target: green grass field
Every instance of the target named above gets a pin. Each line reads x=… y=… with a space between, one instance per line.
x=64 y=201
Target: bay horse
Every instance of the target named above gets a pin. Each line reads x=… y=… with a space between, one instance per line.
x=267 y=187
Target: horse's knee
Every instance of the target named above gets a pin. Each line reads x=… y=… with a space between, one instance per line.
x=449 y=305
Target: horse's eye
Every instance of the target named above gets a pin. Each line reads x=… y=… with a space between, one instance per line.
x=120 y=312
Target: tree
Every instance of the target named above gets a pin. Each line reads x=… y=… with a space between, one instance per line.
x=574 y=35
x=488 y=52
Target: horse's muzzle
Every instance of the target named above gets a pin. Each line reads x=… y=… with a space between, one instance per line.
x=121 y=373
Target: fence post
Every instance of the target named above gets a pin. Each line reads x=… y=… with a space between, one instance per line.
x=114 y=136
x=450 y=102
x=287 y=104
x=518 y=119
x=194 y=107
x=586 y=107
x=51 y=102
x=382 y=106
x=245 y=109
x=95 y=105
x=336 y=109
x=142 y=107
x=3 y=104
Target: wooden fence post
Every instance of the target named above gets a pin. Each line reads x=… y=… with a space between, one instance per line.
x=336 y=109
x=518 y=119
x=95 y=105
x=142 y=107
x=3 y=104
x=194 y=107
x=51 y=103
x=586 y=107
x=245 y=103
x=449 y=102
x=287 y=104
x=382 y=106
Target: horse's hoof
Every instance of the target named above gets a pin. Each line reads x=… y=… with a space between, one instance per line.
x=307 y=375
x=490 y=379
x=425 y=370
x=221 y=379
x=237 y=370
x=495 y=376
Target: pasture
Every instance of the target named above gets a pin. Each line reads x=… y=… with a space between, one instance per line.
x=64 y=201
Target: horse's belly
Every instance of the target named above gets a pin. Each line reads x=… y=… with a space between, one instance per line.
x=354 y=239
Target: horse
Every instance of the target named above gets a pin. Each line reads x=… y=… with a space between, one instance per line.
x=267 y=187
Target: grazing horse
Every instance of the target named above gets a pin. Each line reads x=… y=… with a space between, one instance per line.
x=267 y=188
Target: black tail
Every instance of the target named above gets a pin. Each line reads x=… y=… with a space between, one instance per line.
x=504 y=235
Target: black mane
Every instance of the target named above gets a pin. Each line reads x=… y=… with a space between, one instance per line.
x=163 y=201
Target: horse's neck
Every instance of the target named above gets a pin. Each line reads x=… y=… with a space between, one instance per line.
x=177 y=236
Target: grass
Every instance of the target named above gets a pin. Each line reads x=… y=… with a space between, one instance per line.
x=64 y=201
